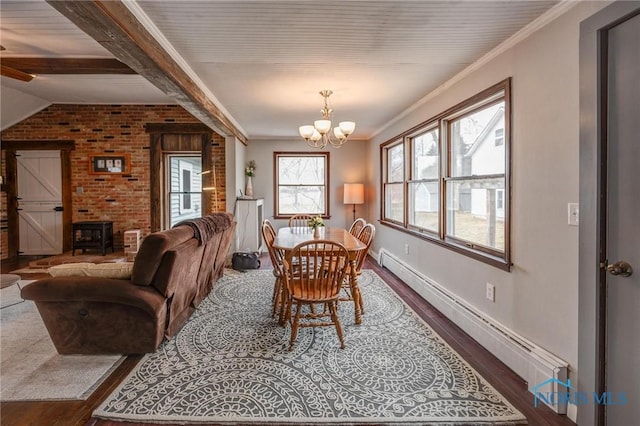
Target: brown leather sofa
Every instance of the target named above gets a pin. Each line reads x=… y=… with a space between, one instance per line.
x=173 y=272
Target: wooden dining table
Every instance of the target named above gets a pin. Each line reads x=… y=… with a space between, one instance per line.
x=288 y=238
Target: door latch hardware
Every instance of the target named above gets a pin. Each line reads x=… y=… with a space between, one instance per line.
x=621 y=268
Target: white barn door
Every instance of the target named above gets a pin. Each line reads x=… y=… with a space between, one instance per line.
x=39 y=202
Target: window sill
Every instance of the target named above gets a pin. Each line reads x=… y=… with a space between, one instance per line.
x=495 y=261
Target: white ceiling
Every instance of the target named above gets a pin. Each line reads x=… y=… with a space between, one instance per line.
x=265 y=61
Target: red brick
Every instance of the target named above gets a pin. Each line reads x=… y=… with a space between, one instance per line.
x=131 y=210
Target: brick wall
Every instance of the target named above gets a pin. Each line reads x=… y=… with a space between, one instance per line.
x=104 y=130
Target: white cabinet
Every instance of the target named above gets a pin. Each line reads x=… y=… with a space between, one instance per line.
x=249 y=215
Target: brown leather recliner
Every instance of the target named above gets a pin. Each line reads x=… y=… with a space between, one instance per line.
x=173 y=272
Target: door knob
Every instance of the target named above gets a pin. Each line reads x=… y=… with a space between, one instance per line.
x=621 y=268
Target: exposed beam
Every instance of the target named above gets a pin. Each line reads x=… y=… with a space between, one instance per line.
x=112 y=25
x=68 y=65
x=14 y=73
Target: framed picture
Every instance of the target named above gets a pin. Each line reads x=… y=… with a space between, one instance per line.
x=109 y=164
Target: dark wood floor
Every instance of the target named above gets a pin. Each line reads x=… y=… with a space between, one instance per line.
x=505 y=381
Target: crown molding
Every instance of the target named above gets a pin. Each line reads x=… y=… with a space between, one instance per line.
x=550 y=15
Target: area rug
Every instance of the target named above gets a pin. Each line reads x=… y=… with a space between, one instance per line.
x=31 y=369
x=230 y=365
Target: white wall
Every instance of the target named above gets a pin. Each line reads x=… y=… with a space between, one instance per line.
x=16 y=105
x=346 y=165
x=538 y=298
x=235 y=154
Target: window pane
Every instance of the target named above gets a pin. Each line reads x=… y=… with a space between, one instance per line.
x=186 y=187
x=394 y=202
x=499 y=137
x=424 y=205
x=185 y=183
x=475 y=211
x=395 y=163
x=425 y=155
x=305 y=170
x=302 y=183
x=301 y=199
x=474 y=150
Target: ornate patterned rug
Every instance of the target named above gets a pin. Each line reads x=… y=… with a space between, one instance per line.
x=230 y=365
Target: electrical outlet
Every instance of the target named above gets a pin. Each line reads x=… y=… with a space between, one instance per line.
x=491 y=292
x=574 y=214
x=406 y=249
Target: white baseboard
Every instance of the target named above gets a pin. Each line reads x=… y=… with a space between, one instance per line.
x=572 y=412
x=531 y=362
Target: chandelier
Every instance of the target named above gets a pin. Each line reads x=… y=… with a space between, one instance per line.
x=319 y=135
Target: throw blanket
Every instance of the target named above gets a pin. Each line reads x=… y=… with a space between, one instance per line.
x=204 y=228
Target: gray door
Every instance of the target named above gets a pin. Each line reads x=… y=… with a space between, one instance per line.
x=623 y=225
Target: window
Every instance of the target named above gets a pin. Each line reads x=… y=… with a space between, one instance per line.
x=500 y=199
x=394 y=183
x=184 y=184
x=498 y=137
x=302 y=183
x=424 y=183
x=450 y=175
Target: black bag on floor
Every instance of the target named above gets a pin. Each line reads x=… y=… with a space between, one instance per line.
x=242 y=261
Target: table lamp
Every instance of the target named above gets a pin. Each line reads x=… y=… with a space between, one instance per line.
x=354 y=194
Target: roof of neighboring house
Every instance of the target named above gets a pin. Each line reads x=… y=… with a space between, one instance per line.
x=485 y=132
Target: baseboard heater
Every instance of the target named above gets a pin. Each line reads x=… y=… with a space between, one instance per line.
x=529 y=361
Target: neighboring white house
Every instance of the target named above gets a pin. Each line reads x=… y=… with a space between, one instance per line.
x=485 y=157
x=185 y=192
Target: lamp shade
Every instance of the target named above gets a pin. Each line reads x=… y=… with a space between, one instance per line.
x=354 y=193
x=306 y=131
x=322 y=126
x=347 y=127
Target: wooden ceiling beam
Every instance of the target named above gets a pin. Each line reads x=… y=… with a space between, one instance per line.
x=14 y=73
x=112 y=25
x=68 y=65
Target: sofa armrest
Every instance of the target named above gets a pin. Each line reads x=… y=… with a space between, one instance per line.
x=94 y=289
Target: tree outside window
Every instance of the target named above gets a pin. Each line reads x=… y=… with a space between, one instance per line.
x=302 y=183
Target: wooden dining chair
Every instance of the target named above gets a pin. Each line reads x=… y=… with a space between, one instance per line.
x=272 y=228
x=300 y=221
x=357 y=226
x=277 y=258
x=318 y=282
x=366 y=236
